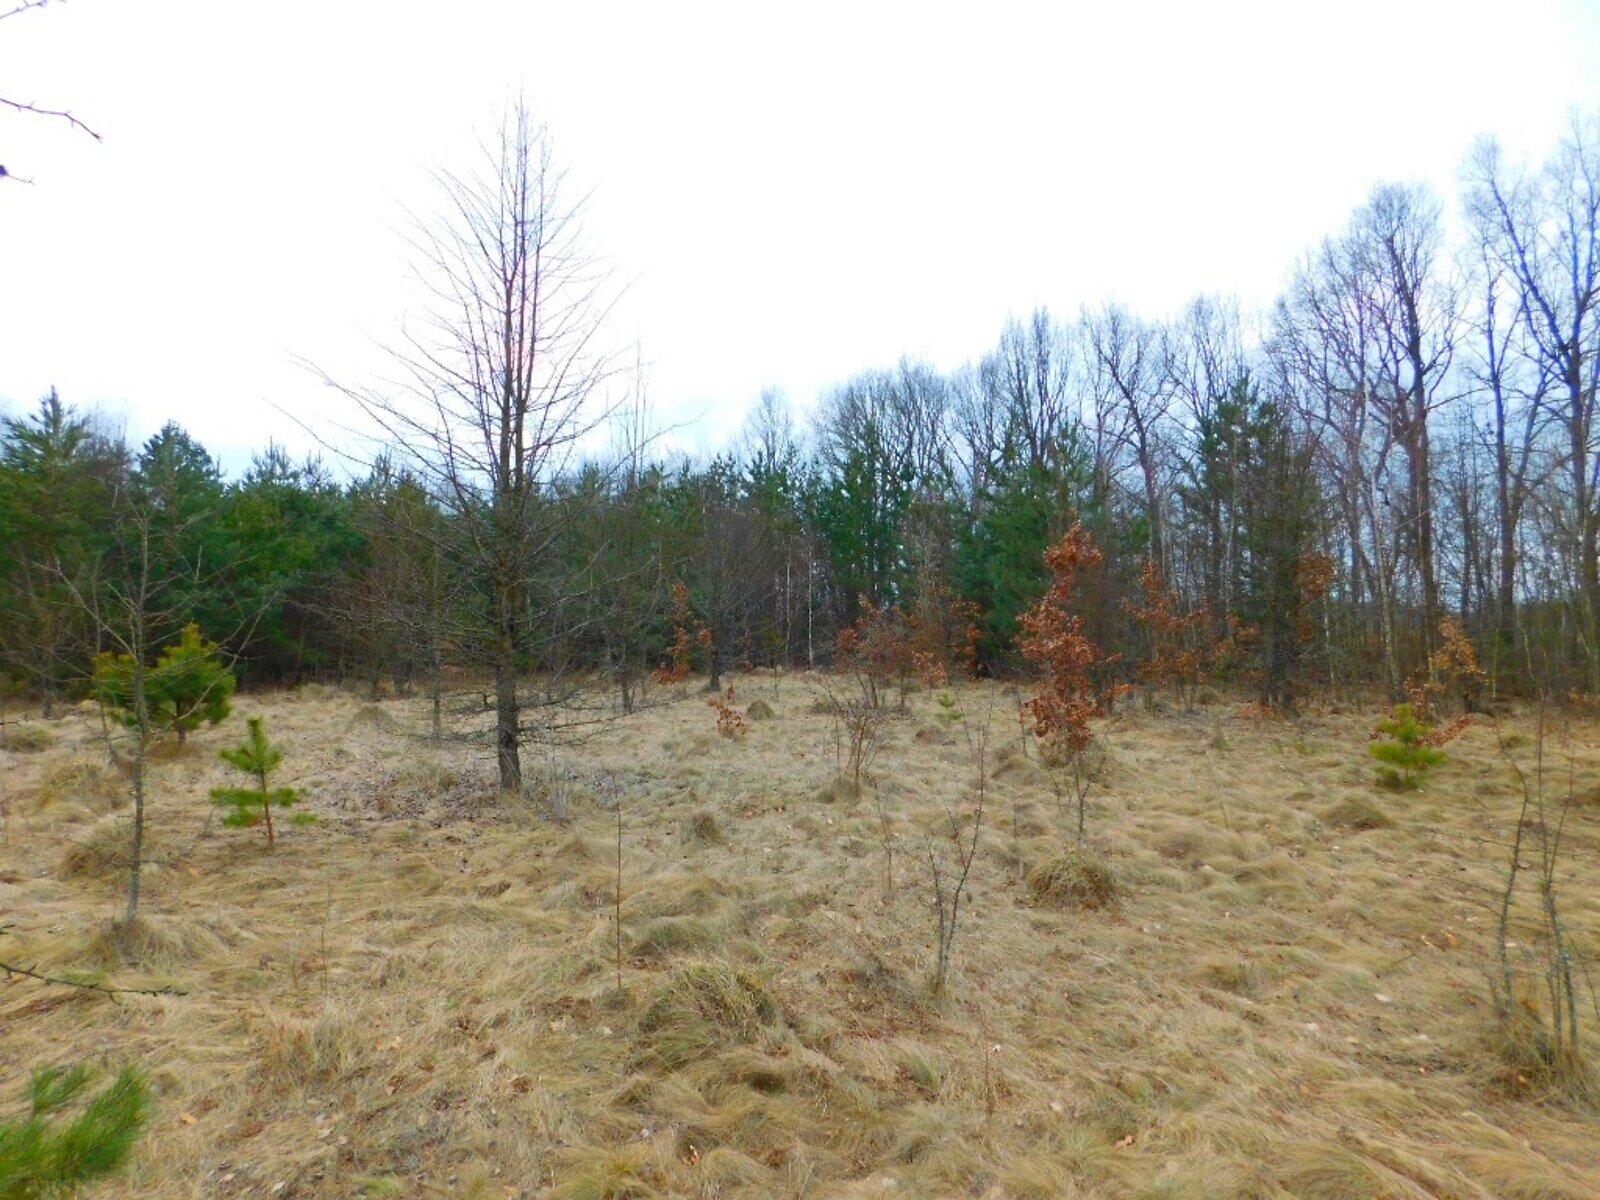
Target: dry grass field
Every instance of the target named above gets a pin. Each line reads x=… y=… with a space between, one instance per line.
x=417 y=994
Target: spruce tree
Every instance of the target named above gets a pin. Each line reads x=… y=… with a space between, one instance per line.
x=252 y=805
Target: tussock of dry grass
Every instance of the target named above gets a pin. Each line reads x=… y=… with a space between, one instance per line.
x=674 y=937
x=86 y=784
x=417 y=995
x=1522 y=1045
x=1358 y=814
x=28 y=737
x=701 y=829
x=165 y=942
x=98 y=852
x=1075 y=877
x=702 y=1006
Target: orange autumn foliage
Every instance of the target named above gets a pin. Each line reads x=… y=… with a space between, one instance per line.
x=1175 y=636
x=1053 y=640
x=678 y=666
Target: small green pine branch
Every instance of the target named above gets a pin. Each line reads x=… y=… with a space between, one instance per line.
x=45 y=1155
x=253 y=804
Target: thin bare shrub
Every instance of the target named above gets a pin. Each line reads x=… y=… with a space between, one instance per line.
x=886 y=838
x=877 y=654
x=1075 y=769
x=857 y=736
x=950 y=859
x=614 y=794
x=558 y=788
x=1540 y=1001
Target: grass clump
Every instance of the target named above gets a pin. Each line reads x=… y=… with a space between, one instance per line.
x=704 y=1006
x=26 y=739
x=669 y=937
x=759 y=710
x=1534 y=1062
x=93 y=784
x=1328 y=1171
x=1240 y=976
x=701 y=829
x=627 y=1173
x=1074 y=878
x=100 y=853
x=164 y=941
x=1357 y=813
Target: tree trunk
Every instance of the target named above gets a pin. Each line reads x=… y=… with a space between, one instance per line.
x=508 y=739
x=141 y=746
x=1505 y=637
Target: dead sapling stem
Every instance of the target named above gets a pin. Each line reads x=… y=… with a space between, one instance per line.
x=886 y=834
x=949 y=877
x=1016 y=833
x=10 y=970
x=616 y=895
x=327 y=916
x=989 y=1048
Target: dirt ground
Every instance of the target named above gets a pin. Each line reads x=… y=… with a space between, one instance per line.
x=416 y=995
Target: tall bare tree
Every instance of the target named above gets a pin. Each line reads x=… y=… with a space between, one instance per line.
x=1132 y=390
x=1546 y=234
x=498 y=384
x=1365 y=335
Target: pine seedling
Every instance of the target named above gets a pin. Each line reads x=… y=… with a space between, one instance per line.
x=1407 y=753
x=253 y=805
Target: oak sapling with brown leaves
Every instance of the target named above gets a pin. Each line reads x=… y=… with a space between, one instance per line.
x=253 y=805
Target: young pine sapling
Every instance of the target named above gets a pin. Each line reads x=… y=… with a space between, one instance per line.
x=1408 y=752
x=252 y=805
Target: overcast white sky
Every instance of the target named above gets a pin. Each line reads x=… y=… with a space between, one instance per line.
x=794 y=192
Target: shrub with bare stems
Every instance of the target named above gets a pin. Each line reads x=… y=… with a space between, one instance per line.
x=1542 y=994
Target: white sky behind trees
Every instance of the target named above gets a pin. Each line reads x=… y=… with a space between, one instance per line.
x=791 y=194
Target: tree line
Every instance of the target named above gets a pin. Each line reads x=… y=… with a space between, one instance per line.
x=1400 y=453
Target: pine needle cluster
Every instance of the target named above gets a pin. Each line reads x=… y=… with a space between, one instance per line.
x=44 y=1154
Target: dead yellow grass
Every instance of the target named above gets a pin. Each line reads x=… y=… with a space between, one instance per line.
x=1073 y=877
x=416 y=996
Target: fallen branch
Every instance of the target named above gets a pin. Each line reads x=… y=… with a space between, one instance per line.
x=11 y=970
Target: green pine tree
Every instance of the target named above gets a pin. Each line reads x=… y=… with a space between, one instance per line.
x=190 y=685
x=1406 y=754
x=45 y=1155
x=187 y=686
x=253 y=805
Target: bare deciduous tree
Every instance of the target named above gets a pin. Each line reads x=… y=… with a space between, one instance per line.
x=1132 y=390
x=498 y=384
x=1545 y=232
